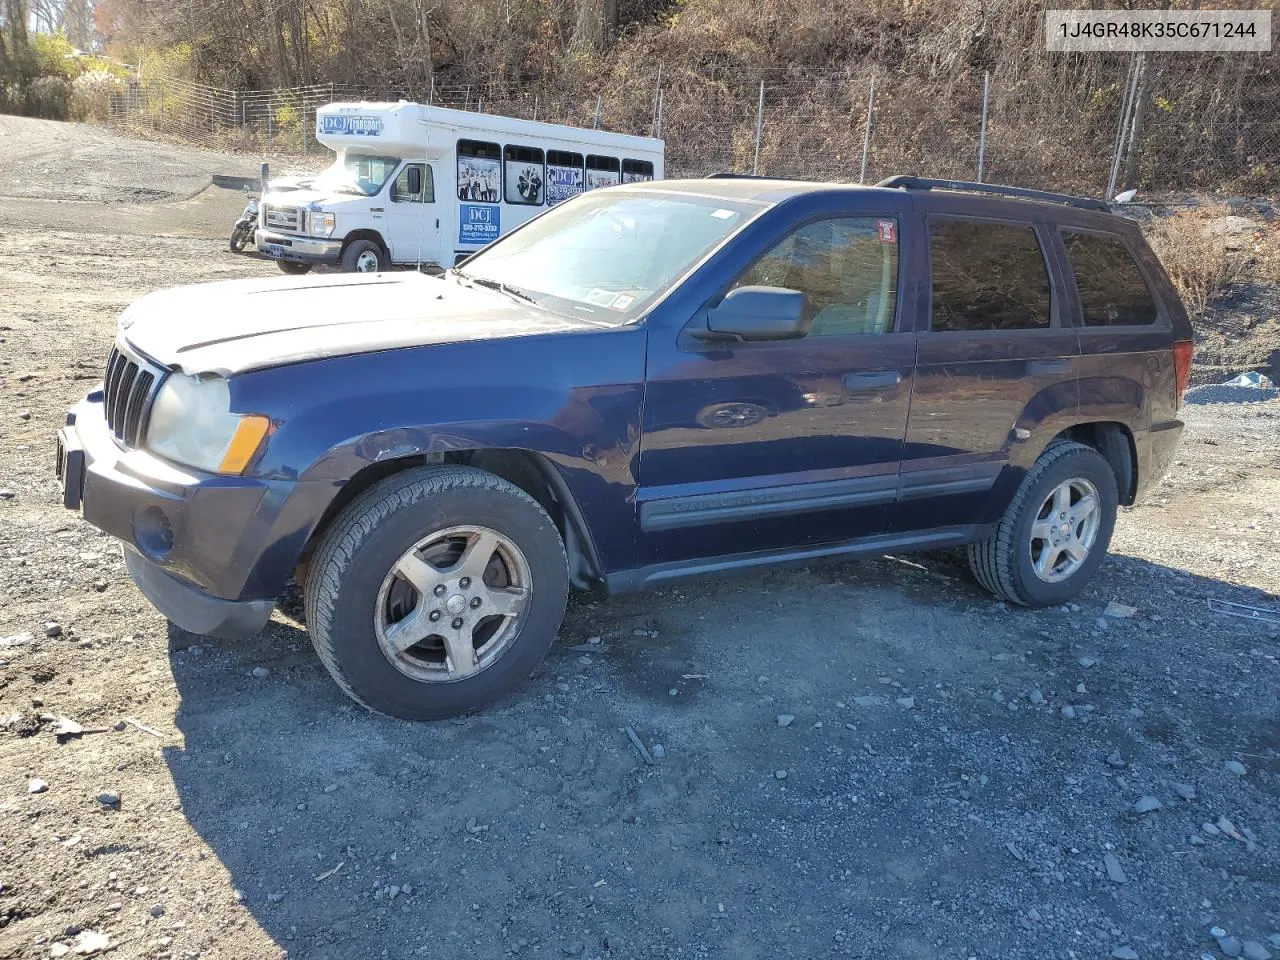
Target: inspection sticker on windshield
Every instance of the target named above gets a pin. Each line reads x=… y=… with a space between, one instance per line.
x=600 y=298
x=723 y=214
x=622 y=301
x=888 y=231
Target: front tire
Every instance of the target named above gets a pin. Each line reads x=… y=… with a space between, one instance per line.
x=240 y=237
x=1055 y=532
x=363 y=256
x=436 y=591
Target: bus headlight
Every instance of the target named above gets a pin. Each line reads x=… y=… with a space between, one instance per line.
x=323 y=224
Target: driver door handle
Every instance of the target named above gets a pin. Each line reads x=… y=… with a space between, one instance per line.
x=863 y=382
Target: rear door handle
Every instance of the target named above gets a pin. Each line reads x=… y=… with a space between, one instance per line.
x=1047 y=366
x=862 y=382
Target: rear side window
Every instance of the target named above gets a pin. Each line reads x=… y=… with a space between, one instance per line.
x=636 y=171
x=564 y=176
x=987 y=276
x=602 y=171
x=523 y=173
x=846 y=266
x=479 y=171
x=1112 y=290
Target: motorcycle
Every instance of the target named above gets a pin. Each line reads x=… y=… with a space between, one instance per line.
x=242 y=232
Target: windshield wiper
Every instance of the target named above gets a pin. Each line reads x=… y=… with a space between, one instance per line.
x=496 y=285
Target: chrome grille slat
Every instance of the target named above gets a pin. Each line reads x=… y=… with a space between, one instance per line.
x=128 y=387
x=282 y=218
x=122 y=400
x=136 y=406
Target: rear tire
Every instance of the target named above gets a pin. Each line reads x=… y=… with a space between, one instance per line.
x=388 y=595
x=364 y=256
x=1049 y=543
x=293 y=269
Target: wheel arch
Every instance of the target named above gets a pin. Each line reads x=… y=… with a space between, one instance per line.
x=532 y=472
x=1116 y=443
x=373 y=235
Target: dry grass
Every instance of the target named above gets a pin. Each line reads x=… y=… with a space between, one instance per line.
x=1200 y=258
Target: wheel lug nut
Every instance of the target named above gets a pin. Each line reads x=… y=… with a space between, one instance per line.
x=440 y=590
x=434 y=616
x=475 y=602
x=464 y=582
x=457 y=624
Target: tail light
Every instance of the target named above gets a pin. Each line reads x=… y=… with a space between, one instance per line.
x=1182 y=351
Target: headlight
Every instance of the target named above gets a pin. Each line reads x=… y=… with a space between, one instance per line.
x=192 y=423
x=322 y=224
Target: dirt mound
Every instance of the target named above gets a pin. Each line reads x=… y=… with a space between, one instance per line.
x=46 y=160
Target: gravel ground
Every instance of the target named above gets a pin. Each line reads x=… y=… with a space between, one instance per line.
x=871 y=759
x=1231 y=393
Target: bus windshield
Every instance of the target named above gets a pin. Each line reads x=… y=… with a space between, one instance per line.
x=356 y=173
x=608 y=254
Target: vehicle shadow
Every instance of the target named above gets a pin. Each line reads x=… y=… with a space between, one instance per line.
x=906 y=808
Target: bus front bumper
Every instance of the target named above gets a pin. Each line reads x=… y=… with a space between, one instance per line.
x=296 y=249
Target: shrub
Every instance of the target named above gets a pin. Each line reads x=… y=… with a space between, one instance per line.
x=49 y=98
x=1195 y=255
x=91 y=94
x=54 y=56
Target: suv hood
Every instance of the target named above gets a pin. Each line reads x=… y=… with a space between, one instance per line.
x=238 y=325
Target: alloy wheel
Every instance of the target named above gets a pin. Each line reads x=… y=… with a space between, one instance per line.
x=1065 y=529
x=452 y=604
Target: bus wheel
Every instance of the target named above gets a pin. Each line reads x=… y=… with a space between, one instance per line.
x=363 y=256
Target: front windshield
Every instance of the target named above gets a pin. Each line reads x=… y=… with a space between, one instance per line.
x=608 y=254
x=356 y=173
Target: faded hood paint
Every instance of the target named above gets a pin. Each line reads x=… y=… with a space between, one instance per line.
x=238 y=325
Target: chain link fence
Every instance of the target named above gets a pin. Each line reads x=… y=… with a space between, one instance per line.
x=1143 y=123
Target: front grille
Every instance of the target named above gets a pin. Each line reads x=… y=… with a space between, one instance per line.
x=283 y=218
x=128 y=387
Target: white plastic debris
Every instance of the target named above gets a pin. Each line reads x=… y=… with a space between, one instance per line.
x=1250 y=379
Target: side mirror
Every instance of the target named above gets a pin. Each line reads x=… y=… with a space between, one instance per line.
x=761 y=313
x=415 y=181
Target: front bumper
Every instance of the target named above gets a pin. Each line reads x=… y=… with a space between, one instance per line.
x=205 y=549
x=297 y=249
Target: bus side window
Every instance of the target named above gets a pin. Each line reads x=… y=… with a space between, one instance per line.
x=479 y=171
x=635 y=171
x=603 y=171
x=564 y=176
x=523 y=175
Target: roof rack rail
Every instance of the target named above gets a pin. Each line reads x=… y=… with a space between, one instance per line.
x=730 y=175
x=1022 y=193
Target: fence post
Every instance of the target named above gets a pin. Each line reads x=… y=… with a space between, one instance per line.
x=657 y=99
x=535 y=106
x=599 y=107
x=1139 y=112
x=866 y=133
x=431 y=94
x=657 y=129
x=982 y=134
x=1125 y=106
x=755 y=166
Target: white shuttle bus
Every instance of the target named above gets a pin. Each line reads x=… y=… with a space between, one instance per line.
x=429 y=186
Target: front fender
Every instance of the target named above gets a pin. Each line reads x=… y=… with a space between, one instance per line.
x=575 y=400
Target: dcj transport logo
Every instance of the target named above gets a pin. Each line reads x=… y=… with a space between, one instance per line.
x=350 y=125
x=478 y=223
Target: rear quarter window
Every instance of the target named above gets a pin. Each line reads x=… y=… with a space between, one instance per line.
x=1113 y=292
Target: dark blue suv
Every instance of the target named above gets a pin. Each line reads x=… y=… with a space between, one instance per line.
x=647 y=382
